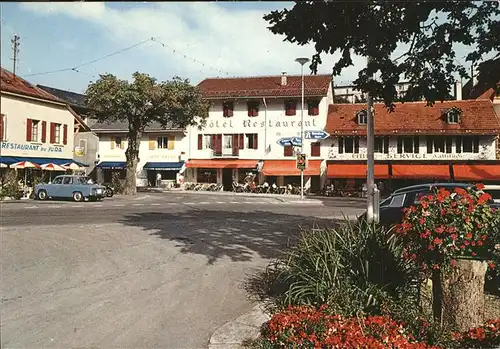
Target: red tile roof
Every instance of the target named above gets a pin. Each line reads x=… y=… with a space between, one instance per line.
x=265 y=86
x=478 y=117
x=15 y=84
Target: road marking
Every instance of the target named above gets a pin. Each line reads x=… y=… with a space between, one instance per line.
x=31 y=207
x=204 y=203
x=155 y=204
x=233 y=202
x=120 y=205
x=189 y=203
x=77 y=206
x=219 y=202
x=137 y=204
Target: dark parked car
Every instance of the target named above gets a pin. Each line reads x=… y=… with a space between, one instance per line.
x=391 y=209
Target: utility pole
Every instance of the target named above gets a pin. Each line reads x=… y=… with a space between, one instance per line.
x=15 y=49
x=370 y=145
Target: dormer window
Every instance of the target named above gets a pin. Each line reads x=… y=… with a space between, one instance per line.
x=290 y=107
x=362 y=117
x=313 y=107
x=253 y=108
x=227 y=109
x=453 y=115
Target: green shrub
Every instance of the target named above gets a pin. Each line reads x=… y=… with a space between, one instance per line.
x=116 y=183
x=352 y=268
x=11 y=187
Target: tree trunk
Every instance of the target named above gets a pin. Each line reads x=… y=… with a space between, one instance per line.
x=132 y=154
x=462 y=295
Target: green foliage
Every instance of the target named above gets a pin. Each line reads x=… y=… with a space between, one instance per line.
x=10 y=186
x=174 y=104
x=429 y=31
x=116 y=183
x=352 y=268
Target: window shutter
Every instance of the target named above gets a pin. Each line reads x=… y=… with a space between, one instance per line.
x=219 y=143
x=242 y=141
x=230 y=111
x=122 y=143
x=44 y=131
x=235 y=144
x=341 y=145
x=171 y=142
x=429 y=144
x=29 y=126
x=65 y=134
x=52 y=133
x=400 y=145
x=416 y=145
x=288 y=150
x=356 y=145
x=476 y=144
x=200 y=142
x=458 y=144
x=1 y=126
x=256 y=141
x=112 y=142
x=152 y=143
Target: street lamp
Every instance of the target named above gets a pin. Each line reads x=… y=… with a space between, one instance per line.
x=302 y=61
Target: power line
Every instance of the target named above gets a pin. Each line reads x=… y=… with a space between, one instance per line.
x=75 y=68
x=190 y=58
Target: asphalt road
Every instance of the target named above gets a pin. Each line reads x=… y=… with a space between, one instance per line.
x=155 y=270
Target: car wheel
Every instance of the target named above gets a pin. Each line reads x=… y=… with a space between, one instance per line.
x=109 y=193
x=42 y=195
x=77 y=196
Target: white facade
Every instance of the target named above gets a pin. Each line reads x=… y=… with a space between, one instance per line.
x=154 y=147
x=351 y=95
x=16 y=113
x=266 y=129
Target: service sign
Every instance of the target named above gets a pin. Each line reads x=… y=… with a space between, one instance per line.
x=301 y=162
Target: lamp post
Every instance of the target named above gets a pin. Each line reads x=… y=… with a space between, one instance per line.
x=302 y=61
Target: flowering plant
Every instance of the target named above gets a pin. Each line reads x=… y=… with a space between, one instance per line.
x=448 y=225
x=483 y=336
x=309 y=327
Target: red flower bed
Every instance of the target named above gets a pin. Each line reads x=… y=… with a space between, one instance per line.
x=485 y=336
x=308 y=327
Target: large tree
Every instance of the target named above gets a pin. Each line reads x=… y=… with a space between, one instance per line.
x=429 y=31
x=174 y=103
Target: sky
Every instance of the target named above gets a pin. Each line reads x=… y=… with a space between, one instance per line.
x=192 y=40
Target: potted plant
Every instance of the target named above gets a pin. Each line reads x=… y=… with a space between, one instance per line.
x=454 y=237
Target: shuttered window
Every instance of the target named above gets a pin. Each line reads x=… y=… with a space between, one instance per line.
x=288 y=150
x=253 y=108
x=152 y=143
x=313 y=107
x=316 y=149
x=227 y=109
x=290 y=107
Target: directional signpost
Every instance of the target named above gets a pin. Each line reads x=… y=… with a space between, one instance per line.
x=285 y=141
x=301 y=162
x=296 y=141
x=316 y=135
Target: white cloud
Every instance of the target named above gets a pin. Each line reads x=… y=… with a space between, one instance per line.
x=235 y=41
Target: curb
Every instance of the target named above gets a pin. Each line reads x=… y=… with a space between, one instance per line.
x=232 y=334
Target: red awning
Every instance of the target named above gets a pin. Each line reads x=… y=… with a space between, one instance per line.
x=415 y=171
x=337 y=170
x=289 y=168
x=222 y=163
x=488 y=172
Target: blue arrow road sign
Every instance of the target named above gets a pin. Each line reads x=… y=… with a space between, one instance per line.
x=284 y=141
x=316 y=135
x=296 y=141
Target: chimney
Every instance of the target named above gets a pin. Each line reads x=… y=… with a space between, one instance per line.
x=458 y=91
x=283 y=79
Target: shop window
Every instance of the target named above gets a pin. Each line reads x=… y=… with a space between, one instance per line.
x=316 y=149
x=313 y=107
x=382 y=145
x=290 y=107
x=288 y=150
x=253 y=108
x=227 y=109
x=162 y=142
x=439 y=146
x=448 y=144
x=251 y=141
x=467 y=144
x=206 y=175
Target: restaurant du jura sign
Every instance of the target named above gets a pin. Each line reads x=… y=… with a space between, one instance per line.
x=35 y=148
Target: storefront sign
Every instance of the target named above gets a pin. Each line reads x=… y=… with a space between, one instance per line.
x=395 y=156
x=31 y=147
x=229 y=124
